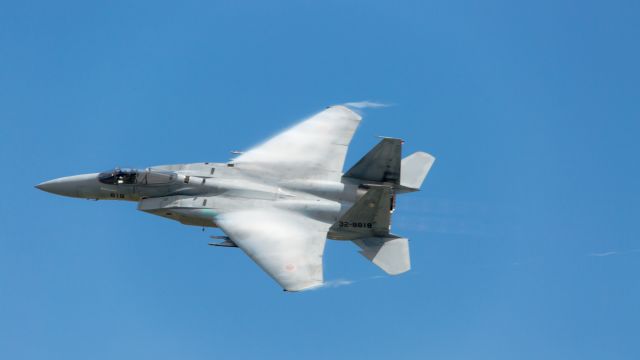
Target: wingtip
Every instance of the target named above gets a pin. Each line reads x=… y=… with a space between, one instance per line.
x=346 y=110
x=310 y=286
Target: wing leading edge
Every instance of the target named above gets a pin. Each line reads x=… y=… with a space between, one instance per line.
x=313 y=149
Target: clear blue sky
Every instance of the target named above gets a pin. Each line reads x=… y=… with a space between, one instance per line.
x=524 y=241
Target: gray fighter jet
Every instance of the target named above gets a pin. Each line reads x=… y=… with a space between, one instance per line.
x=280 y=201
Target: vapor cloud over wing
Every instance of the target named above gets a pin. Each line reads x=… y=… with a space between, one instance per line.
x=333 y=284
x=366 y=104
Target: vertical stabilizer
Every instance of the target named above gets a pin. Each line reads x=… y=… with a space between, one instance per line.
x=370 y=216
x=381 y=164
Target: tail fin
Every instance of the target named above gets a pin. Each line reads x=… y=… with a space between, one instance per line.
x=381 y=164
x=391 y=253
x=415 y=168
x=370 y=216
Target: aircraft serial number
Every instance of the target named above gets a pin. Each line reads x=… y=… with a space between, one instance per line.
x=347 y=224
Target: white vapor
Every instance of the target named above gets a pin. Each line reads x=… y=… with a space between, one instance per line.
x=332 y=284
x=337 y=283
x=344 y=282
x=614 y=252
x=608 y=253
x=366 y=104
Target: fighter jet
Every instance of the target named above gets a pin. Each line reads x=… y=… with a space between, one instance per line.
x=280 y=201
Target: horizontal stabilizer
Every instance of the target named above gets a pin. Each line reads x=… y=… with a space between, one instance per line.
x=388 y=253
x=415 y=168
x=381 y=164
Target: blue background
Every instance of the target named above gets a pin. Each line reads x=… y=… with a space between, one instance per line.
x=524 y=239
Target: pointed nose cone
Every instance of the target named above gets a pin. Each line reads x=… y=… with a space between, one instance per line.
x=73 y=186
x=55 y=187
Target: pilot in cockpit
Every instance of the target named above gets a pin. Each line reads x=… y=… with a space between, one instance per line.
x=118 y=176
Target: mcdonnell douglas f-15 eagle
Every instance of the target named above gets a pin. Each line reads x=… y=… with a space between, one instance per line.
x=280 y=201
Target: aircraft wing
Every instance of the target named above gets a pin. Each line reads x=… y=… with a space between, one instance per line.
x=286 y=245
x=313 y=149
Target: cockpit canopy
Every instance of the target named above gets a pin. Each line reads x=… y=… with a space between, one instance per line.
x=119 y=176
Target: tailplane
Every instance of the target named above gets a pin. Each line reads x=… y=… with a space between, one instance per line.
x=414 y=169
x=390 y=254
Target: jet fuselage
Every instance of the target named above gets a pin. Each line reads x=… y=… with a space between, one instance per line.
x=193 y=193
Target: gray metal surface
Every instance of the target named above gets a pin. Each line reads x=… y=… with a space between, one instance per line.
x=381 y=164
